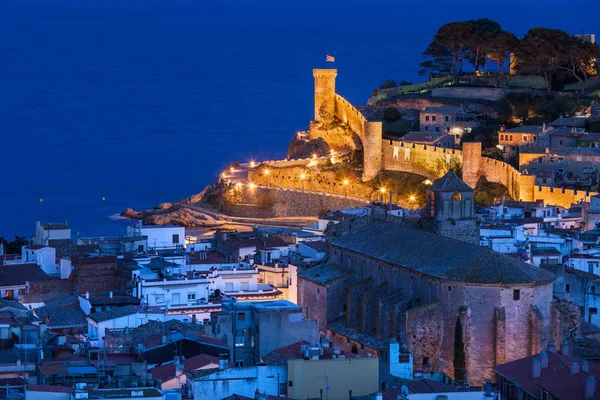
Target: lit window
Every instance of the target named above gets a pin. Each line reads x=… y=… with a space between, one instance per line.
x=239 y=341
x=456 y=196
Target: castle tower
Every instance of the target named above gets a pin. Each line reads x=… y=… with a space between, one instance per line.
x=450 y=205
x=324 y=90
x=372 y=150
x=527 y=187
x=471 y=163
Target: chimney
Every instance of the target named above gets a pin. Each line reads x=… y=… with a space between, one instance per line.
x=223 y=364
x=544 y=359
x=590 y=386
x=66 y=223
x=564 y=347
x=488 y=389
x=87 y=295
x=574 y=368
x=536 y=369
x=110 y=294
x=552 y=347
x=585 y=366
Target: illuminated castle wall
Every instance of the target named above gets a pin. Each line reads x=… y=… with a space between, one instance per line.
x=429 y=161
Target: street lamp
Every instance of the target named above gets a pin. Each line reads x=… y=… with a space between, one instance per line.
x=302 y=178
x=267 y=172
x=252 y=163
x=382 y=190
x=346 y=182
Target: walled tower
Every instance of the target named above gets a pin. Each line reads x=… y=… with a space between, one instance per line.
x=471 y=163
x=372 y=150
x=324 y=90
x=527 y=187
x=450 y=206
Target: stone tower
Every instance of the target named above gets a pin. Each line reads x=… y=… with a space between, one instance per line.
x=324 y=90
x=372 y=150
x=471 y=163
x=450 y=207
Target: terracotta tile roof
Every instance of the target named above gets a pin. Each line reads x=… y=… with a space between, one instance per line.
x=258 y=243
x=556 y=378
x=12 y=382
x=124 y=393
x=535 y=129
x=62 y=315
x=422 y=251
x=49 y=388
x=167 y=371
x=18 y=274
x=294 y=352
x=53 y=369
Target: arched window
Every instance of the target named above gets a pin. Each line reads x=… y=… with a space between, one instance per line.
x=456 y=196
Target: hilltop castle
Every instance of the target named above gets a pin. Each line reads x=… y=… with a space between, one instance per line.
x=429 y=161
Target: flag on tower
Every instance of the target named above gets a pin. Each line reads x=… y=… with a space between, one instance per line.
x=330 y=58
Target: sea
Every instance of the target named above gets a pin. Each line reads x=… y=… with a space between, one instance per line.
x=112 y=104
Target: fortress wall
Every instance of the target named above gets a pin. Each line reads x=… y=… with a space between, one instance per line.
x=350 y=115
x=501 y=172
x=561 y=197
x=275 y=202
x=429 y=161
x=289 y=178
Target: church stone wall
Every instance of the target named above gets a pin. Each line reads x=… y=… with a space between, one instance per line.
x=429 y=330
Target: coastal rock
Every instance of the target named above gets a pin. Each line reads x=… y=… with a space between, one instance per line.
x=182 y=217
x=300 y=148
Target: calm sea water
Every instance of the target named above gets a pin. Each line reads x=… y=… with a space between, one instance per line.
x=144 y=102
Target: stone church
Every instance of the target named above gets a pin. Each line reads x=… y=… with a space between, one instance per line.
x=457 y=307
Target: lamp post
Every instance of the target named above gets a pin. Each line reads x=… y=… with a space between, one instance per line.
x=382 y=191
x=346 y=182
x=302 y=179
x=267 y=172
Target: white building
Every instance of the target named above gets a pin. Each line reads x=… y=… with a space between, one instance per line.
x=160 y=237
x=120 y=317
x=196 y=287
x=46 y=232
x=42 y=255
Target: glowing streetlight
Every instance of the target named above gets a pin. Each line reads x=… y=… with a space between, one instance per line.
x=427 y=182
x=251 y=185
x=382 y=190
x=412 y=198
x=346 y=182
x=302 y=179
x=231 y=169
x=252 y=164
x=266 y=171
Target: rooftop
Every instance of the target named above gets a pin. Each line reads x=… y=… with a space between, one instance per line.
x=450 y=183
x=294 y=352
x=577 y=122
x=166 y=372
x=556 y=378
x=18 y=274
x=534 y=129
x=442 y=110
x=326 y=273
x=62 y=315
x=438 y=256
x=113 y=313
x=317 y=245
x=423 y=137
